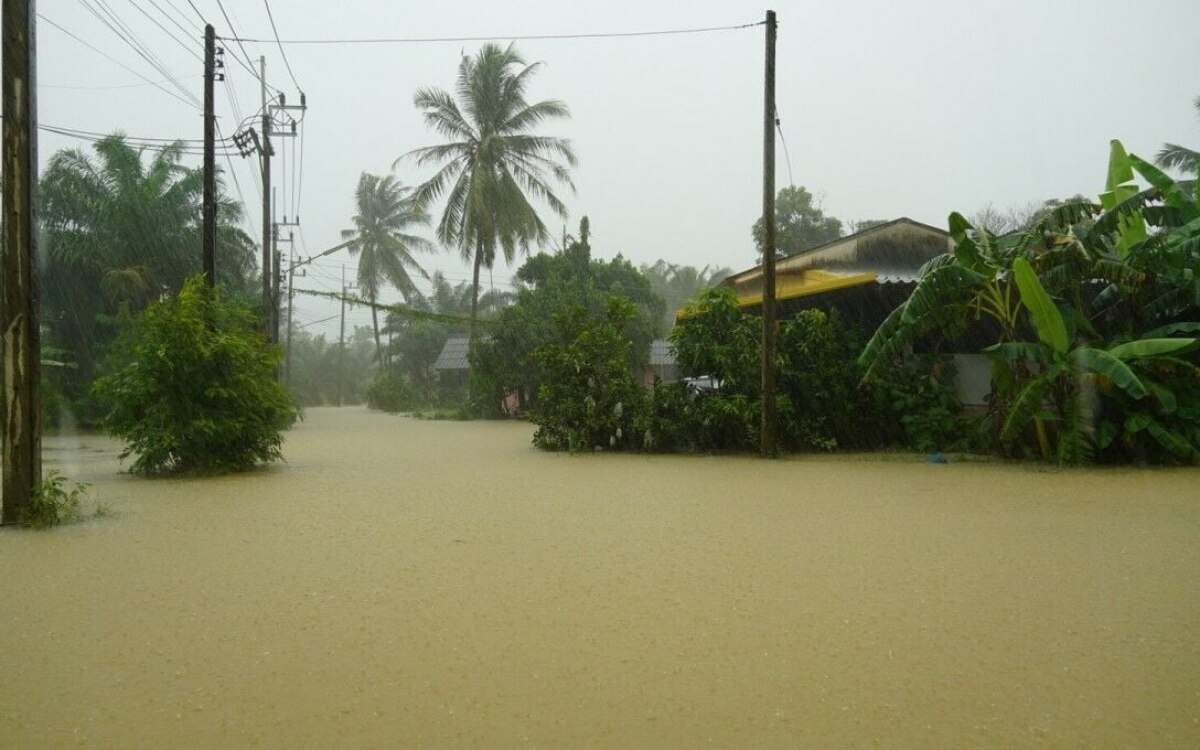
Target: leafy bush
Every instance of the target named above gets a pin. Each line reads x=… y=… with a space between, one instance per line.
x=51 y=504
x=193 y=390
x=917 y=395
x=393 y=392
x=589 y=398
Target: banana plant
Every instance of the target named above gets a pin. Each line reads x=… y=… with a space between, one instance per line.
x=1066 y=370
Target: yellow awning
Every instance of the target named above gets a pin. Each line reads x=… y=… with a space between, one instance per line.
x=806 y=283
x=801 y=284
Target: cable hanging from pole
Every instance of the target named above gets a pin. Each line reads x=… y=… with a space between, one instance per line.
x=506 y=37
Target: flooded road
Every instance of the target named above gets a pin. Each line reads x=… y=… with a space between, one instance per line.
x=401 y=583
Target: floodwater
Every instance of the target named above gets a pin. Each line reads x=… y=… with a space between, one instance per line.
x=401 y=583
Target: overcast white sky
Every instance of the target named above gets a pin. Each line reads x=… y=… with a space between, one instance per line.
x=888 y=108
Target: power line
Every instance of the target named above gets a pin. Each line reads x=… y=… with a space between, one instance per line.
x=166 y=31
x=506 y=37
x=787 y=157
x=118 y=62
x=125 y=34
x=248 y=64
x=99 y=87
x=187 y=33
x=237 y=185
x=275 y=31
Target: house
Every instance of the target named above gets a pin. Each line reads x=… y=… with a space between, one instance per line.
x=453 y=367
x=864 y=276
x=663 y=366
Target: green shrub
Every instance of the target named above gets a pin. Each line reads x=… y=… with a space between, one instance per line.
x=589 y=398
x=393 y=392
x=193 y=390
x=51 y=504
x=919 y=395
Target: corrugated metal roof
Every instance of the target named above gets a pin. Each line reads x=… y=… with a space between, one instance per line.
x=454 y=354
x=661 y=353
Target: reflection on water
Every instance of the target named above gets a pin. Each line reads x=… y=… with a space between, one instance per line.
x=406 y=583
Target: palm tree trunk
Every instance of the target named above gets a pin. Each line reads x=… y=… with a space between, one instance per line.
x=375 y=324
x=475 y=289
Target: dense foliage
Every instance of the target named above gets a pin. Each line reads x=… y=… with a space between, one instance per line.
x=1091 y=314
x=552 y=287
x=329 y=373
x=678 y=284
x=121 y=231
x=588 y=398
x=800 y=223
x=393 y=392
x=192 y=388
x=823 y=403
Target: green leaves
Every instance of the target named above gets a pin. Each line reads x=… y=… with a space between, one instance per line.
x=1047 y=320
x=195 y=389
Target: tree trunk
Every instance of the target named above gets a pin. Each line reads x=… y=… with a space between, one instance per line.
x=375 y=325
x=475 y=289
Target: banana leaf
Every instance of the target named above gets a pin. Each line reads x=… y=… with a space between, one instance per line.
x=1099 y=361
x=1171 y=440
x=1046 y=318
x=1027 y=404
x=1171 y=329
x=1172 y=193
x=1147 y=347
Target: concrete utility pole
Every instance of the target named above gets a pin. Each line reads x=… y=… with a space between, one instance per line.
x=22 y=451
x=267 y=271
x=767 y=439
x=210 y=158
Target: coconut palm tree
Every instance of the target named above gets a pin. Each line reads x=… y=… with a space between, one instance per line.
x=381 y=241
x=491 y=165
x=122 y=230
x=1174 y=156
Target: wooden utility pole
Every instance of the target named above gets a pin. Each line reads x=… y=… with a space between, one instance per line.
x=267 y=271
x=210 y=158
x=287 y=367
x=767 y=438
x=276 y=278
x=22 y=451
x=342 y=342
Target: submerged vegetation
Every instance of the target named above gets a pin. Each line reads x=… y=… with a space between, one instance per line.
x=1091 y=315
x=192 y=389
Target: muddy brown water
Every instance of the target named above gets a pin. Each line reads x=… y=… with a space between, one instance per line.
x=401 y=583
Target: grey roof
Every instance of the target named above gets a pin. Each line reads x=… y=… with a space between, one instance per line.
x=661 y=353
x=454 y=354
x=897 y=248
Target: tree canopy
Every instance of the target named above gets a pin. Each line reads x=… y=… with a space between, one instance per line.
x=492 y=166
x=800 y=223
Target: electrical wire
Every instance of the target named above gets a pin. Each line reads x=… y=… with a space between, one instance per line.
x=249 y=63
x=167 y=31
x=100 y=87
x=123 y=65
x=518 y=37
x=275 y=31
x=187 y=33
x=125 y=34
x=787 y=157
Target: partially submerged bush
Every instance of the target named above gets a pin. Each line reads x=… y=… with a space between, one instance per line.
x=52 y=504
x=193 y=388
x=393 y=392
x=589 y=398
